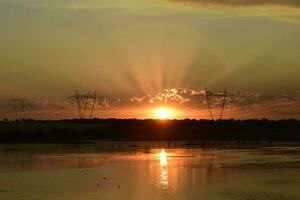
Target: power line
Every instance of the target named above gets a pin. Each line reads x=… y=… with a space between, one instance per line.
x=22 y=108
x=85 y=104
x=220 y=95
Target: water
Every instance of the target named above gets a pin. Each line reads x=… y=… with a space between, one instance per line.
x=148 y=172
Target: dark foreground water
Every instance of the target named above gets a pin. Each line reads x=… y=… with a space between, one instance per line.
x=114 y=171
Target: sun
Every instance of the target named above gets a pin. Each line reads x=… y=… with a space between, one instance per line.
x=164 y=113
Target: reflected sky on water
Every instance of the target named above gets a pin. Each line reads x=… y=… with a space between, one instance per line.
x=151 y=173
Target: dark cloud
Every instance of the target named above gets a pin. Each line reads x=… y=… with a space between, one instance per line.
x=291 y=3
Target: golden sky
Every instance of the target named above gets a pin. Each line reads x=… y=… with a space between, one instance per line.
x=134 y=48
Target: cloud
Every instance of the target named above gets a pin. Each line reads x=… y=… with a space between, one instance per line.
x=186 y=96
x=284 y=10
x=291 y=3
x=239 y=104
x=178 y=95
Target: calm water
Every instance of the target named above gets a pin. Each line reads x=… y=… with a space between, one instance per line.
x=148 y=172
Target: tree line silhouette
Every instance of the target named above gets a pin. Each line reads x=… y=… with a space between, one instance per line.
x=79 y=130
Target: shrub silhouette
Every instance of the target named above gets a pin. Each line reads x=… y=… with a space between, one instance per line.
x=75 y=130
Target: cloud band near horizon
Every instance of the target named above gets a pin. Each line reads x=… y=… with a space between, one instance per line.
x=192 y=103
x=290 y=3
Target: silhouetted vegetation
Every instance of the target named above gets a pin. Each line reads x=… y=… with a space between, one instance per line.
x=71 y=131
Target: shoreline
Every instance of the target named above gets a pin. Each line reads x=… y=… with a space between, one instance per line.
x=132 y=145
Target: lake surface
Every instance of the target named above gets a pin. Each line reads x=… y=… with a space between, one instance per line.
x=147 y=172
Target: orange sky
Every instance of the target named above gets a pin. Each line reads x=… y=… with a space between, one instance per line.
x=135 y=52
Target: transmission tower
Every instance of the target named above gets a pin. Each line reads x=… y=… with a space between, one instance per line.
x=22 y=108
x=85 y=104
x=221 y=96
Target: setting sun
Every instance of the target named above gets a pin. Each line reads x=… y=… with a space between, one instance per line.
x=164 y=113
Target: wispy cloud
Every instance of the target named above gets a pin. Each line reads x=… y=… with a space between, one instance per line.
x=239 y=104
x=292 y=3
x=286 y=10
x=178 y=95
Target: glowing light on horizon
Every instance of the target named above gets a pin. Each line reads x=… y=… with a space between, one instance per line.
x=164 y=113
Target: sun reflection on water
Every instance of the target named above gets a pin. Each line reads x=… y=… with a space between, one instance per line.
x=164 y=182
x=163 y=158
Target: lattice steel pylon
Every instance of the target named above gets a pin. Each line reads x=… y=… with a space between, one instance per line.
x=22 y=108
x=221 y=96
x=85 y=104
